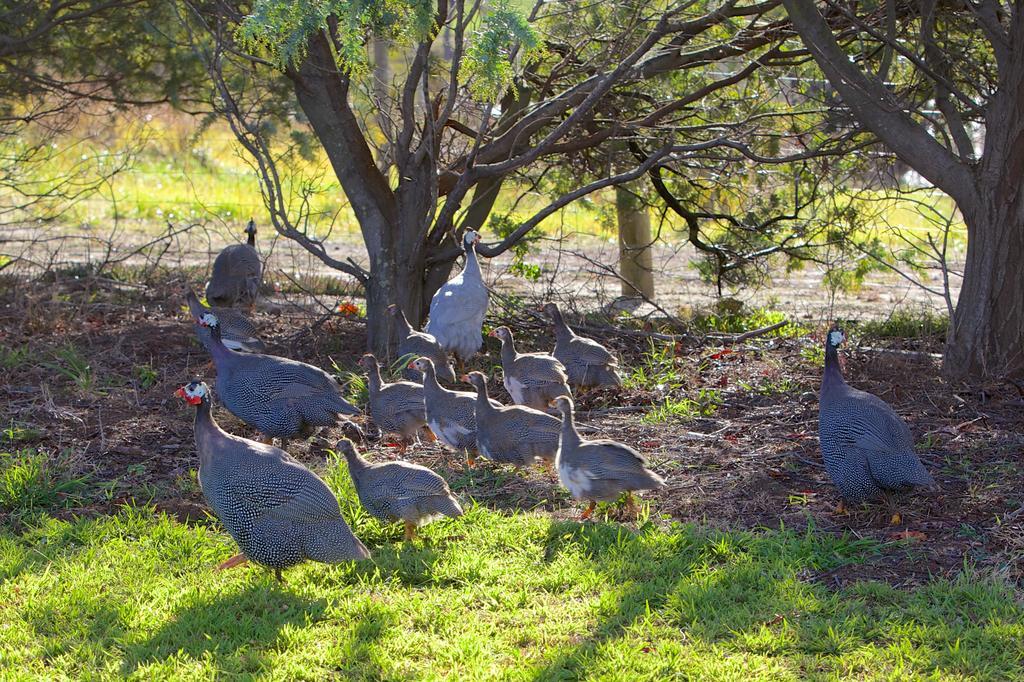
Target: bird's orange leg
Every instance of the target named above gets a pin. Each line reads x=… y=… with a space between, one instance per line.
x=428 y=434
x=470 y=459
x=237 y=560
x=410 y=531
x=841 y=509
x=589 y=511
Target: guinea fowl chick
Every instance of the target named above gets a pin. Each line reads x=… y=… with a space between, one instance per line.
x=414 y=344
x=237 y=273
x=599 y=470
x=458 y=308
x=279 y=512
x=532 y=379
x=512 y=434
x=395 y=408
x=867 y=449
x=393 y=491
x=587 y=362
x=280 y=398
x=451 y=415
x=236 y=330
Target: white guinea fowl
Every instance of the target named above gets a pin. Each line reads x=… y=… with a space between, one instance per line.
x=458 y=308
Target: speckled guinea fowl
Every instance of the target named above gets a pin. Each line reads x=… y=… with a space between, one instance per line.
x=399 y=491
x=279 y=512
x=512 y=434
x=458 y=308
x=532 y=379
x=867 y=449
x=236 y=330
x=395 y=408
x=587 y=363
x=237 y=273
x=599 y=470
x=415 y=344
x=450 y=414
x=281 y=398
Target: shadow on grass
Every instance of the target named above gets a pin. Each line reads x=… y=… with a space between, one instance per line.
x=750 y=590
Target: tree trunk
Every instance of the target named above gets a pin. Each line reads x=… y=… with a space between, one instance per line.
x=636 y=263
x=986 y=334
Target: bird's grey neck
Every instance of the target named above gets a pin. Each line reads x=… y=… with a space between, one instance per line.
x=404 y=328
x=218 y=350
x=508 y=349
x=205 y=425
x=833 y=372
x=373 y=376
x=472 y=264
x=483 y=401
x=355 y=461
x=430 y=378
x=562 y=330
x=570 y=436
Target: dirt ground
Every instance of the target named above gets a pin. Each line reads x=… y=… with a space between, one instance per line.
x=753 y=463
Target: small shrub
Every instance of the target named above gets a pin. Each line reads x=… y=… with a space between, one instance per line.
x=29 y=479
x=705 y=404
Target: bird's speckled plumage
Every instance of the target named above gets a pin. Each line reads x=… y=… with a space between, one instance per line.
x=414 y=344
x=281 y=398
x=866 y=447
x=450 y=414
x=237 y=331
x=532 y=379
x=279 y=512
x=458 y=308
x=513 y=434
x=237 y=273
x=399 y=491
x=587 y=363
x=395 y=408
x=599 y=470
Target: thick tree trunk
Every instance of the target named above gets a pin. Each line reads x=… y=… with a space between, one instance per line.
x=986 y=334
x=636 y=262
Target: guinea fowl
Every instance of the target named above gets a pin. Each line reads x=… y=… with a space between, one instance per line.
x=587 y=363
x=279 y=512
x=450 y=414
x=458 y=308
x=393 y=491
x=281 y=398
x=867 y=449
x=237 y=273
x=599 y=470
x=415 y=344
x=237 y=331
x=512 y=434
x=395 y=408
x=532 y=379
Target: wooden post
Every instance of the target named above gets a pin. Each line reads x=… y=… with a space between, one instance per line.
x=636 y=263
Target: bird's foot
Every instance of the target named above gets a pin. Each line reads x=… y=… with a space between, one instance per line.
x=237 y=560
x=589 y=511
x=841 y=509
x=470 y=460
x=896 y=519
x=410 y=531
x=429 y=435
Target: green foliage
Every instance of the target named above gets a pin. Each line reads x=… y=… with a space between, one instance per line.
x=907 y=324
x=488 y=596
x=73 y=364
x=146 y=376
x=31 y=480
x=704 y=404
x=504 y=225
x=657 y=369
x=14 y=358
x=736 y=319
x=488 y=70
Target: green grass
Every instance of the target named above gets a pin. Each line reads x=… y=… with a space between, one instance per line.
x=489 y=596
x=33 y=480
x=704 y=404
x=906 y=324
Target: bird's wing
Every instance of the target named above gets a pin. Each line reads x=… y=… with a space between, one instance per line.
x=539 y=369
x=867 y=422
x=282 y=488
x=590 y=352
x=412 y=480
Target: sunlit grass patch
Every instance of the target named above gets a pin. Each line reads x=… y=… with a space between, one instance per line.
x=488 y=596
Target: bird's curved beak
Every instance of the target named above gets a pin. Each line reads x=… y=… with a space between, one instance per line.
x=180 y=393
x=411 y=365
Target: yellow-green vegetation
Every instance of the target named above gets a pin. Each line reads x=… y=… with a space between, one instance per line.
x=492 y=595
